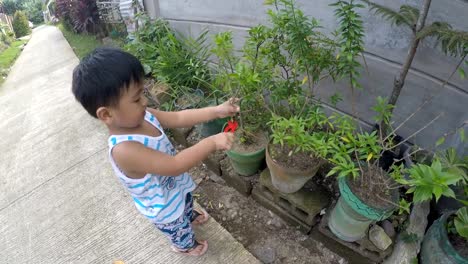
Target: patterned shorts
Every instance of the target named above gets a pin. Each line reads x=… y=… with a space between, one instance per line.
x=180 y=231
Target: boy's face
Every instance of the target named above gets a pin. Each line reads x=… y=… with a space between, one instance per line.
x=130 y=111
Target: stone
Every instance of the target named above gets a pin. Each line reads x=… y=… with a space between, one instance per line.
x=264 y=253
x=198 y=181
x=216 y=178
x=404 y=252
x=388 y=228
x=379 y=238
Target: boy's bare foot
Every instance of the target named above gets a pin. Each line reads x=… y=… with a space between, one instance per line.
x=198 y=250
x=201 y=216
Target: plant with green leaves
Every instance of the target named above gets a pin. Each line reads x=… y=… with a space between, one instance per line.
x=358 y=156
x=308 y=134
x=427 y=181
x=244 y=77
x=460 y=222
x=453 y=42
x=298 y=46
x=351 y=32
x=20 y=24
x=181 y=62
x=147 y=35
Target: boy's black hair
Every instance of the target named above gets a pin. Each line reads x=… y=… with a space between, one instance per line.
x=102 y=76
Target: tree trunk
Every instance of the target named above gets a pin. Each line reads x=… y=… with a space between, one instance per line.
x=399 y=80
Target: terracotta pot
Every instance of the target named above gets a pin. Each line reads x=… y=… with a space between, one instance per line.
x=289 y=180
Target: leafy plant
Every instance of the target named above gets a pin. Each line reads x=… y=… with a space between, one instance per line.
x=11 y=6
x=302 y=134
x=81 y=15
x=244 y=77
x=461 y=222
x=20 y=24
x=33 y=10
x=181 y=62
x=427 y=181
x=351 y=32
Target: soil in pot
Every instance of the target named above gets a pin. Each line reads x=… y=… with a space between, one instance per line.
x=298 y=160
x=372 y=188
x=259 y=141
x=459 y=243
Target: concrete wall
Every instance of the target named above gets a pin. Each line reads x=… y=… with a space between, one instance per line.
x=386 y=47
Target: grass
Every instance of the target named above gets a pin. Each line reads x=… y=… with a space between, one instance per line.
x=81 y=44
x=9 y=55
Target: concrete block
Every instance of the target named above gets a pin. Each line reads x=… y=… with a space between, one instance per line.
x=300 y=208
x=241 y=183
x=363 y=247
x=180 y=135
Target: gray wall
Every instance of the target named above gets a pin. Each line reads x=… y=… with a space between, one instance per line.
x=386 y=47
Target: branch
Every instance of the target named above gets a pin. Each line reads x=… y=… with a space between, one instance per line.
x=417 y=132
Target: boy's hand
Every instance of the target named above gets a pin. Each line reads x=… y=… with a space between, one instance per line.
x=223 y=141
x=228 y=108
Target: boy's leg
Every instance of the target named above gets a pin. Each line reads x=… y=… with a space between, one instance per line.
x=182 y=237
x=197 y=216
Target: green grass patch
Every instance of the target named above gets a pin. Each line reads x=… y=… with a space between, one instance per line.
x=9 y=55
x=81 y=44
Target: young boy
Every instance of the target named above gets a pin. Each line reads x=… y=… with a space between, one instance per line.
x=109 y=85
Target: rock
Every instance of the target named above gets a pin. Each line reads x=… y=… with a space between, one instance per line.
x=388 y=228
x=198 y=181
x=216 y=178
x=264 y=254
x=379 y=238
x=405 y=253
x=233 y=214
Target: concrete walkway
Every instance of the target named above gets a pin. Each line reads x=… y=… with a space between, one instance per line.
x=59 y=200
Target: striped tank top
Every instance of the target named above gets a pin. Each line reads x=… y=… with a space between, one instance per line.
x=159 y=198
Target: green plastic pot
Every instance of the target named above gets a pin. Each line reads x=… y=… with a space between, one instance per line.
x=212 y=127
x=436 y=247
x=350 y=218
x=246 y=164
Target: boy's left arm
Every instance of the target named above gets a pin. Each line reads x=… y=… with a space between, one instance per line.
x=191 y=117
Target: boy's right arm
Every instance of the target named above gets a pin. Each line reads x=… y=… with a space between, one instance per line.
x=136 y=160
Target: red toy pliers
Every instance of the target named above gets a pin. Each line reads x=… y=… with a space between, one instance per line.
x=231 y=126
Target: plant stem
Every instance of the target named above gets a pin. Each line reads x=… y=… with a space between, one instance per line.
x=399 y=80
x=388 y=201
x=415 y=133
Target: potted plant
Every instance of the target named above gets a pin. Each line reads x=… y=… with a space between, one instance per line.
x=244 y=78
x=297 y=50
x=368 y=192
x=297 y=149
x=445 y=241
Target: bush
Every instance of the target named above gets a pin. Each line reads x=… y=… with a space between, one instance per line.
x=33 y=9
x=81 y=15
x=11 y=6
x=21 y=24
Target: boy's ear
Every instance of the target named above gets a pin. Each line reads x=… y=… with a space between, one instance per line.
x=104 y=114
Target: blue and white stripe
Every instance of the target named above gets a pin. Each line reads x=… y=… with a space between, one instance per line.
x=160 y=198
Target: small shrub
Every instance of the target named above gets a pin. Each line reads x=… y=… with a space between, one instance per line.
x=21 y=24
x=81 y=15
